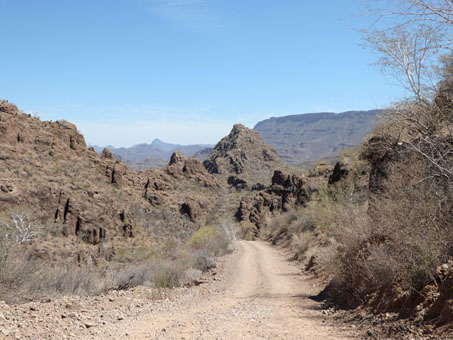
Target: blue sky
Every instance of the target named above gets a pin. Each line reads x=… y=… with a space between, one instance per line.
x=184 y=71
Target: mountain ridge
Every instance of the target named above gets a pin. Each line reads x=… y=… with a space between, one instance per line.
x=154 y=154
x=306 y=137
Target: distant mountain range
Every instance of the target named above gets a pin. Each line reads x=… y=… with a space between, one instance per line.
x=298 y=139
x=306 y=137
x=156 y=154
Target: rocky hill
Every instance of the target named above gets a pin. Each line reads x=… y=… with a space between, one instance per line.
x=96 y=204
x=144 y=156
x=93 y=202
x=306 y=137
x=79 y=213
x=243 y=156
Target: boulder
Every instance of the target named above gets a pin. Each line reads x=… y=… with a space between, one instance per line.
x=106 y=154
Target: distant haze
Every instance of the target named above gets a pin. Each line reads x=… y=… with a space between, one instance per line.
x=306 y=137
x=296 y=138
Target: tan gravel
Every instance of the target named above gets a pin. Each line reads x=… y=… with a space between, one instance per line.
x=260 y=295
x=255 y=294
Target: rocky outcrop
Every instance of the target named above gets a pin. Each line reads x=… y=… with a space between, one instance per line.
x=338 y=173
x=237 y=183
x=106 y=154
x=432 y=303
x=192 y=169
x=380 y=156
x=177 y=158
x=290 y=188
x=244 y=154
x=192 y=209
x=442 y=308
x=285 y=193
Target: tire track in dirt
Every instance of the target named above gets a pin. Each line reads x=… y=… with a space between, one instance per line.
x=260 y=296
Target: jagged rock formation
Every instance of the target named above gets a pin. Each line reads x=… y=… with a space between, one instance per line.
x=305 y=137
x=285 y=193
x=47 y=170
x=244 y=154
x=192 y=168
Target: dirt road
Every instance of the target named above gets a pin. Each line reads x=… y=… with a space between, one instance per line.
x=259 y=295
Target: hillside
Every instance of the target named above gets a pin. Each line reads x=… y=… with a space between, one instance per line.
x=306 y=137
x=88 y=208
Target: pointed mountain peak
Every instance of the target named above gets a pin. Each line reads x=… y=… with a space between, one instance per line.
x=244 y=154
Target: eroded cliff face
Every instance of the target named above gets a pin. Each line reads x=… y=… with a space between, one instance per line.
x=287 y=192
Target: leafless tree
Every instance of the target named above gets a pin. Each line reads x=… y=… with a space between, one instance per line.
x=409 y=36
x=20 y=229
x=414 y=43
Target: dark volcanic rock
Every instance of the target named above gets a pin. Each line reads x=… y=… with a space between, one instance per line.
x=338 y=173
x=237 y=182
x=286 y=192
x=177 y=158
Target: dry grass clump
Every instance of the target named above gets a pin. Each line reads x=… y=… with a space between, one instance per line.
x=173 y=264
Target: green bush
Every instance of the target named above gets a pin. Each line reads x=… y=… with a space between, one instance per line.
x=210 y=239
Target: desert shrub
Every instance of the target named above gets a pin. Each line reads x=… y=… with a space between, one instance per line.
x=247 y=230
x=401 y=237
x=278 y=226
x=66 y=279
x=42 y=277
x=168 y=274
x=300 y=243
x=208 y=242
x=133 y=254
x=211 y=240
x=413 y=217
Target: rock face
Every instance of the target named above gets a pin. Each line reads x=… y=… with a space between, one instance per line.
x=306 y=137
x=381 y=156
x=338 y=173
x=285 y=193
x=244 y=154
x=192 y=169
x=47 y=171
